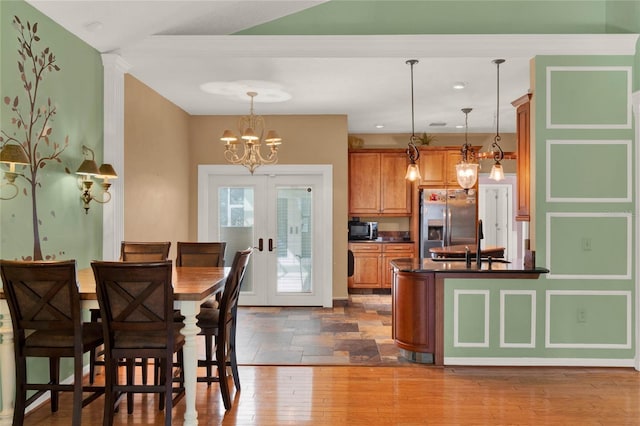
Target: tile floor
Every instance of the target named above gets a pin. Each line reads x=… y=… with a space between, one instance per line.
x=357 y=331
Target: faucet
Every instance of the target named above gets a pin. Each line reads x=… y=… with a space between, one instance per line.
x=480 y=237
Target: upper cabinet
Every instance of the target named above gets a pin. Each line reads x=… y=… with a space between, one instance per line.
x=523 y=137
x=438 y=166
x=377 y=186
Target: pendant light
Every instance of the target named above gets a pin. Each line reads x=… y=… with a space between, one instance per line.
x=413 y=171
x=467 y=169
x=497 y=173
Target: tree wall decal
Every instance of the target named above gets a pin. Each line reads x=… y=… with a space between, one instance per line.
x=32 y=122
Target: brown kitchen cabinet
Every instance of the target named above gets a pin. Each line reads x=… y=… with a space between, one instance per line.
x=523 y=171
x=392 y=251
x=377 y=186
x=372 y=263
x=367 y=261
x=413 y=308
x=438 y=166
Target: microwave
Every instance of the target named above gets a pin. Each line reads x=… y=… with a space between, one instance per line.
x=363 y=230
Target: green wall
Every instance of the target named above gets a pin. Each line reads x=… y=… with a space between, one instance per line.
x=66 y=232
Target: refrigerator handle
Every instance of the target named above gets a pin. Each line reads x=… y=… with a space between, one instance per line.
x=445 y=228
x=448 y=227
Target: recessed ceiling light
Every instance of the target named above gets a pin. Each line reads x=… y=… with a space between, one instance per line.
x=379 y=126
x=459 y=126
x=459 y=85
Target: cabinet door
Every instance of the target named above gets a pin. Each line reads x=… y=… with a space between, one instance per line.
x=433 y=167
x=453 y=158
x=366 y=270
x=387 y=271
x=523 y=164
x=395 y=189
x=413 y=301
x=364 y=183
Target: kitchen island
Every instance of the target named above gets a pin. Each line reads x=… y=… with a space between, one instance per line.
x=418 y=306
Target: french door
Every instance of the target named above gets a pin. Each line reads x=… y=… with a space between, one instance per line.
x=279 y=212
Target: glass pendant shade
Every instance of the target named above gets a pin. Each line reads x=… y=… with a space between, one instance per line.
x=467 y=174
x=497 y=173
x=413 y=173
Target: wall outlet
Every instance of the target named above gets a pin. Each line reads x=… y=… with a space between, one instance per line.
x=586 y=244
x=582 y=315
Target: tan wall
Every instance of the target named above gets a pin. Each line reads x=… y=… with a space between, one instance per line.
x=156 y=172
x=307 y=139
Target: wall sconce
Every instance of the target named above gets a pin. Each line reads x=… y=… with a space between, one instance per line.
x=88 y=170
x=12 y=154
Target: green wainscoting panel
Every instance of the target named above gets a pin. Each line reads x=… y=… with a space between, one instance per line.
x=588 y=319
x=588 y=97
x=589 y=245
x=517 y=318
x=589 y=171
x=471 y=318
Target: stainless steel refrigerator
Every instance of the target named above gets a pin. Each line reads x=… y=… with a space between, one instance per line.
x=447 y=217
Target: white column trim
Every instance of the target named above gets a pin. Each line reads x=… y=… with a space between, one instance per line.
x=635 y=106
x=113 y=150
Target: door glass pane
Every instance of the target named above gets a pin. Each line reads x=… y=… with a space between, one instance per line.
x=236 y=224
x=293 y=246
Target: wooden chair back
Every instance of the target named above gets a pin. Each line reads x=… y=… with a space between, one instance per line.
x=231 y=293
x=200 y=254
x=134 y=251
x=136 y=302
x=42 y=296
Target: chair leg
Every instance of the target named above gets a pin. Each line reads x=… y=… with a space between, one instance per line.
x=54 y=377
x=208 y=348
x=21 y=393
x=221 y=362
x=131 y=362
x=162 y=380
x=111 y=371
x=167 y=366
x=232 y=353
x=77 y=390
x=95 y=316
x=145 y=363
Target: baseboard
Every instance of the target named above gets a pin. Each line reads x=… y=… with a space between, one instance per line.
x=541 y=362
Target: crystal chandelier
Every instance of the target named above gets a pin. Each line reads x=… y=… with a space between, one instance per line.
x=252 y=129
x=467 y=169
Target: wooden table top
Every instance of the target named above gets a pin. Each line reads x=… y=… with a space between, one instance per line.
x=459 y=251
x=189 y=283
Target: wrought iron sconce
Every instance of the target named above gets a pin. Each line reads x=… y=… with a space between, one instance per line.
x=12 y=154
x=89 y=170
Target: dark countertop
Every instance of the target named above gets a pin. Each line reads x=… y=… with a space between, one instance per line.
x=460 y=251
x=383 y=240
x=458 y=266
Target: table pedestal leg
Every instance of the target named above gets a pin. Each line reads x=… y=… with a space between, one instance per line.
x=189 y=310
x=7 y=366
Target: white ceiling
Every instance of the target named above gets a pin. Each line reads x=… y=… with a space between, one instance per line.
x=175 y=46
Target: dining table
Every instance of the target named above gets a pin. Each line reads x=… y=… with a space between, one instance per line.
x=191 y=286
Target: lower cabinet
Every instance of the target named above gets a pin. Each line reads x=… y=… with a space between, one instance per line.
x=371 y=263
x=414 y=312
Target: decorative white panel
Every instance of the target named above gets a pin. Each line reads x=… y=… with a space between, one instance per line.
x=456 y=323
x=532 y=332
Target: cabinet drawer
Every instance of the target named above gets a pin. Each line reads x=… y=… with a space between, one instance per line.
x=392 y=248
x=365 y=248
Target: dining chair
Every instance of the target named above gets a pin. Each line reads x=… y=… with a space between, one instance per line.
x=131 y=251
x=219 y=324
x=136 y=306
x=202 y=254
x=44 y=304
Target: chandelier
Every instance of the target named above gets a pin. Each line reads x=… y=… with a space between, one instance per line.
x=413 y=154
x=252 y=130
x=467 y=169
x=497 y=173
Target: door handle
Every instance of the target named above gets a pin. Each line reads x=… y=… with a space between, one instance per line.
x=271 y=246
x=260 y=245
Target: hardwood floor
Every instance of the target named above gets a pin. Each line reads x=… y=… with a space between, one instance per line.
x=407 y=395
